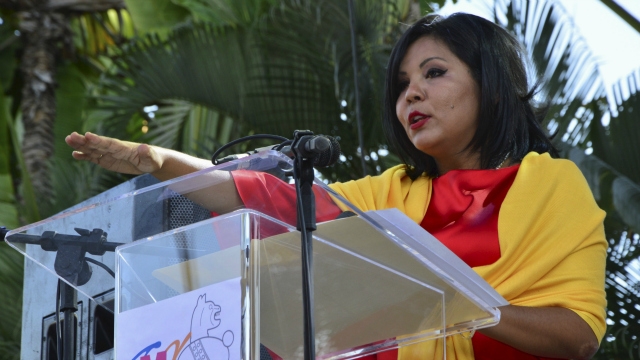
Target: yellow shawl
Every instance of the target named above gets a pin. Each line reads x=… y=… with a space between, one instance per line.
x=552 y=242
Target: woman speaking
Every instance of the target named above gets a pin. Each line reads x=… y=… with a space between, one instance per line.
x=478 y=173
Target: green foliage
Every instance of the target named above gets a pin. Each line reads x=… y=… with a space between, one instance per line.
x=292 y=69
x=9 y=46
x=10 y=260
x=28 y=207
x=8 y=206
x=11 y=296
x=95 y=33
x=157 y=16
x=227 y=12
x=73 y=181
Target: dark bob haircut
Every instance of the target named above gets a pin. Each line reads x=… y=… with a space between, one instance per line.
x=509 y=121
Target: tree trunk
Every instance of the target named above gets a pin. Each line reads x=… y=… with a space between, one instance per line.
x=44 y=32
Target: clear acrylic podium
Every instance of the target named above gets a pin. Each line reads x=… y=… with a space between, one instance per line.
x=380 y=281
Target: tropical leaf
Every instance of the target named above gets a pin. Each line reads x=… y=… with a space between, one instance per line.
x=9 y=48
x=617 y=141
x=158 y=16
x=626 y=200
x=8 y=205
x=10 y=260
x=98 y=32
x=563 y=62
x=192 y=65
x=11 y=271
x=27 y=206
x=191 y=128
x=615 y=176
x=227 y=12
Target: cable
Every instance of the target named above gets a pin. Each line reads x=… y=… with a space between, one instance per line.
x=214 y=158
x=105 y=267
x=281 y=146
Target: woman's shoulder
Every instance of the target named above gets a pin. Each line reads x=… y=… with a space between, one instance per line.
x=396 y=175
x=545 y=166
x=535 y=159
x=541 y=174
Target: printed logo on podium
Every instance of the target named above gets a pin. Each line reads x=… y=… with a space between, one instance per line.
x=199 y=325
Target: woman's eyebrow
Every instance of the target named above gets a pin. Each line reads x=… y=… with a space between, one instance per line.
x=429 y=59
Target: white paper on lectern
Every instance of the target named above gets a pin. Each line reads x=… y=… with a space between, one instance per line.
x=203 y=321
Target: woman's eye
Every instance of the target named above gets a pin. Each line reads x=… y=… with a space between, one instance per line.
x=402 y=85
x=432 y=73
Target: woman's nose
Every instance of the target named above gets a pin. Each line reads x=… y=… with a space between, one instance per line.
x=413 y=93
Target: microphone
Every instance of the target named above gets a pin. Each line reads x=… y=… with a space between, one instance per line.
x=324 y=149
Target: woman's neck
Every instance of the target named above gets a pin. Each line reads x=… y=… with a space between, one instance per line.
x=460 y=162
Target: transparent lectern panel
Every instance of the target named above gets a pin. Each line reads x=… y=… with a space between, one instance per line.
x=77 y=245
x=354 y=295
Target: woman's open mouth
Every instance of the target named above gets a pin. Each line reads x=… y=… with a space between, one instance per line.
x=417 y=119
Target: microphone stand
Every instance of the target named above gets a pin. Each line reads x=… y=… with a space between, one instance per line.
x=71 y=265
x=303 y=176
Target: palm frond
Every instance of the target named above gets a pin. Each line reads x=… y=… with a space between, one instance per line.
x=228 y=12
x=564 y=63
x=617 y=141
x=8 y=205
x=191 y=128
x=202 y=64
x=156 y=16
x=96 y=33
x=290 y=71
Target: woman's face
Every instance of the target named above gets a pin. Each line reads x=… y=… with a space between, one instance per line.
x=439 y=102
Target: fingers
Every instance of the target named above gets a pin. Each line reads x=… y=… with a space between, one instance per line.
x=93 y=147
x=75 y=140
x=83 y=149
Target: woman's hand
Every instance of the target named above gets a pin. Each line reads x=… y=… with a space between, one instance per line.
x=115 y=155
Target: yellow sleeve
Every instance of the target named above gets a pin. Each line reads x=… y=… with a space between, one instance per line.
x=552 y=242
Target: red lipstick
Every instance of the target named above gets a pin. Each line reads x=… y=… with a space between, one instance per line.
x=417 y=120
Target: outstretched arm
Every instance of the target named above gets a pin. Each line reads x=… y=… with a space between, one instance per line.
x=164 y=164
